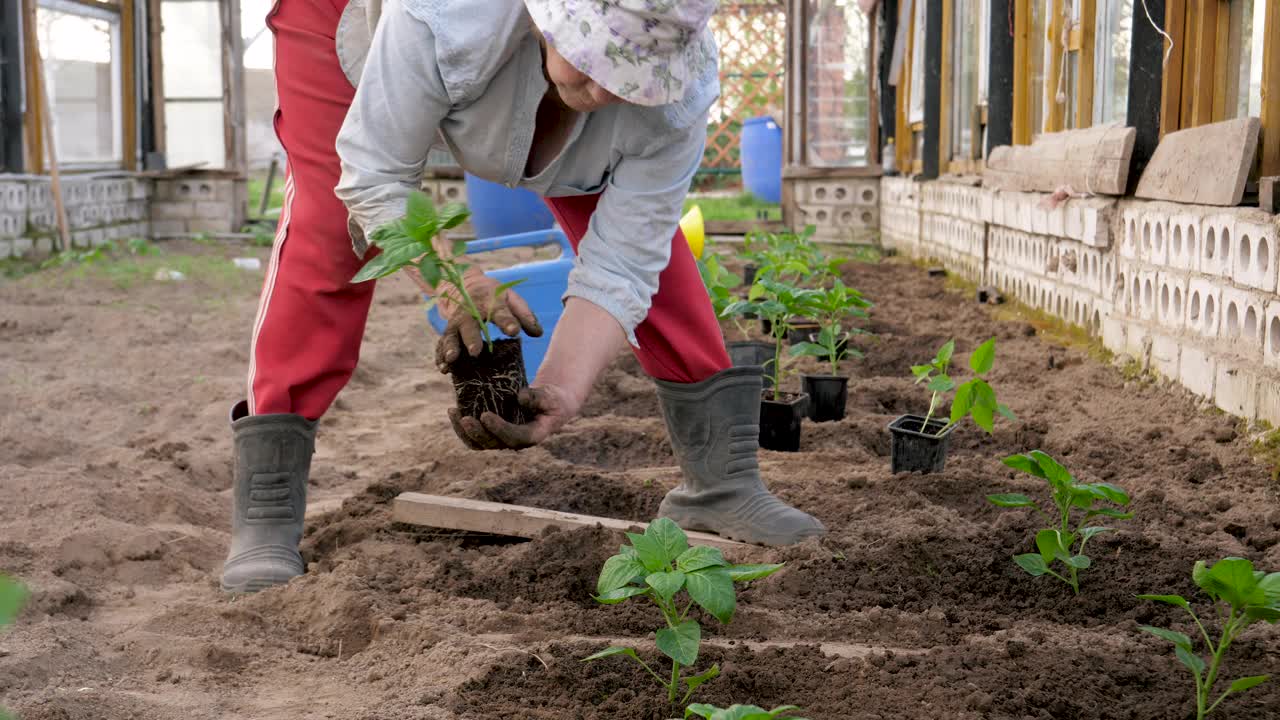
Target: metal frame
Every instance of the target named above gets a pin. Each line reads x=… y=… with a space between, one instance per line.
x=12 y=89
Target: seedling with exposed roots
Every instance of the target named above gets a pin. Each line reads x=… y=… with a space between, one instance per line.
x=1241 y=597
x=661 y=566
x=1061 y=542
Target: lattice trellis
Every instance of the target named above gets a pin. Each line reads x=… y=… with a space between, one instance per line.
x=752 y=37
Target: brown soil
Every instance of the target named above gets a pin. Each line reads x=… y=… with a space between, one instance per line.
x=114 y=461
x=491 y=381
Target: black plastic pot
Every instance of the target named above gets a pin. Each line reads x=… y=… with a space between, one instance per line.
x=749 y=274
x=828 y=395
x=802 y=330
x=780 y=421
x=748 y=353
x=766 y=326
x=916 y=448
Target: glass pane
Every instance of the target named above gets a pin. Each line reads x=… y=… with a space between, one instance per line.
x=1073 y=74
x=984 y=48
x=1115 y=37
x=81 y=53
x=1039 y=47
x=916 y=111
x=1245 y=87
x=192 y=46
x=838 y=102
x=964 y=83
x=193 y=133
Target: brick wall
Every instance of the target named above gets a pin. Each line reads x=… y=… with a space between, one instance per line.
x=98 y=211
x=1190 y=291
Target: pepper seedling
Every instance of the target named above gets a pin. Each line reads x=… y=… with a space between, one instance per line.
x=787 y=257
x=778 y=303
x=12 y=597
x=740 y=712
x=1241 y=597
x=660 y=565
x=720 y=285
x=409 y=242
x=974 y=398
x=1061 y=542
x=831 y=307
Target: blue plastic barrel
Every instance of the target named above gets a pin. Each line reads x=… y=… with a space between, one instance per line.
x=544 y=285
x=498 y=211
x=762 y=158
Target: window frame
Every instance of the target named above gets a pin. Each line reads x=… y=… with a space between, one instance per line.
x=974 y=162
x=34 y=122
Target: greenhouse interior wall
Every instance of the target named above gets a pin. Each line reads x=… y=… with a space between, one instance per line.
x=1187 y=291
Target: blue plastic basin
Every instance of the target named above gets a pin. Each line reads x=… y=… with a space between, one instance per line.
x=762 y=158
x=499 y=211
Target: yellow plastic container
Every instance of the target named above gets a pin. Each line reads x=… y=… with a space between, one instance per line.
x=694 y=232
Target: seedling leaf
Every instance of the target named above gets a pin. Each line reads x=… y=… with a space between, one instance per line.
x=699 y=557
x=941 y=383
x=1245 y=683
x=1175 y=600
x=1053 y=544
x=1108 y=512
x=712 y=589
x=1011 y=500
x=680 y=643
x=12 y=597
x=1032 y=563
x=743 y=573
x=698 y=680
x=666 y=584
x=618 y=571
x=651 y=552
x=1191 y=661
x=610 y=652
x=430 y=273
x=1026 y=464
x=984 y=417
x=1054 y=472
x=984 y=357
x=945 y=352
x=1006 y=412
x=669 y=536
x=1089 y=532
x=1177 y=638
x=961 y=403
x=613 y=597
x=1236 y=578
x=1079 y=562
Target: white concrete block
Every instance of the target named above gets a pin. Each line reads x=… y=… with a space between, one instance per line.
x=1254 y=256
x=1236 y=390
x=1184 y=242
x=1204 y=307
x=1096 y=214
x=1166 y=351
x=1243 y=320
x=1154 y=238
x=6 y=248
x=13 y=197
x=1216 y=245
x=12 y=224
x=1146 y=295
x=1113 y=334
x=1269 y=399
x=1197 y=370
x=44 y=245
x=22 y=246
x=1171 y=304
x=1271 y=346
x=1129 y=247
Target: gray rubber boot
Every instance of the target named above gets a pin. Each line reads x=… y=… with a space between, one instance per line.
x=715 y=431
x=269 y=499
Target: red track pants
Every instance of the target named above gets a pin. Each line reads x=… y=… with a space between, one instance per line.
x=311 y=318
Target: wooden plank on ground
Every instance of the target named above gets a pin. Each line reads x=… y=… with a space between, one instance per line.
x=1207 y=165
x=1092 y=160
x=516 y=520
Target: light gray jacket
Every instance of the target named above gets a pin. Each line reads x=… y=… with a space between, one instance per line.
x=471 y=73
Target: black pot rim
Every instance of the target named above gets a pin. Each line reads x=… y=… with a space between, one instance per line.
x=896 y=427
x=749 y=343
x=796 y=400
x=839 y=378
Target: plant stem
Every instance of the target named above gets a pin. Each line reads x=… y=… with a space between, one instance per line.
x=778 y=334
x=455 y=279
x=675 y=682
x=933 y=405
x=1227 y=631
x=648 y=669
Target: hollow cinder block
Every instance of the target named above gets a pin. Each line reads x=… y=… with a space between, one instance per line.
x=1185 y=242
x=1254 y=256
x=1243 y=321
x=1204 y=307
x=1197 y=370
x=1216 y=245
x=1269 y=400
x=1171 y=300
x=1131 y=230
x=1271 y=333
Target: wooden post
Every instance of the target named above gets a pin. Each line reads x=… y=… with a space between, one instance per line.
x=1270 y=140
x=46 y=113
x=1171 y=94
x=1000 y=75
x=1146 y=74
x=931 y=162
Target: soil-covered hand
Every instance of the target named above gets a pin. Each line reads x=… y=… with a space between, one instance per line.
x=549 y=406
x=505 y=309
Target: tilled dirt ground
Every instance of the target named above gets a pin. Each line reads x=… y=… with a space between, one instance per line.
x=114 y=466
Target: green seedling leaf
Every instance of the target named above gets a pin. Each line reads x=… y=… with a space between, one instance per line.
x=702 y=678
x=1010 y=500
x=1200 y=574
x=984 y=357
x=984 y=417
x=1270 y=585
x=613 y=597
x=1245 y=683
x=453 y=215
x=1190 y=660
x=1052 y=470
x=666 y=584
x=962 y=402
x=701 y=710
x=1267 y=614
x=1108 y=512
x=618 y=571
x=945 y=353
x=941 y=384
x=1089 y=532
x=699 y=557
x=12 y=597
x=983 y=395
x=1079 y=562
x=712 y=590
x=743 y=573
x=1024 y=463
x=669 y=536
x=1175 y=600
x=1177 y=638
x=1032 y=563
x=610 y=652
x=1054 y=544
x=1109 y=492
x=503 y=287
x=808 y=349
x=653 y=556
x=1238 y=585
x=459 y=248
x=1006 y=412
x=680 y=643
x=430 y=273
